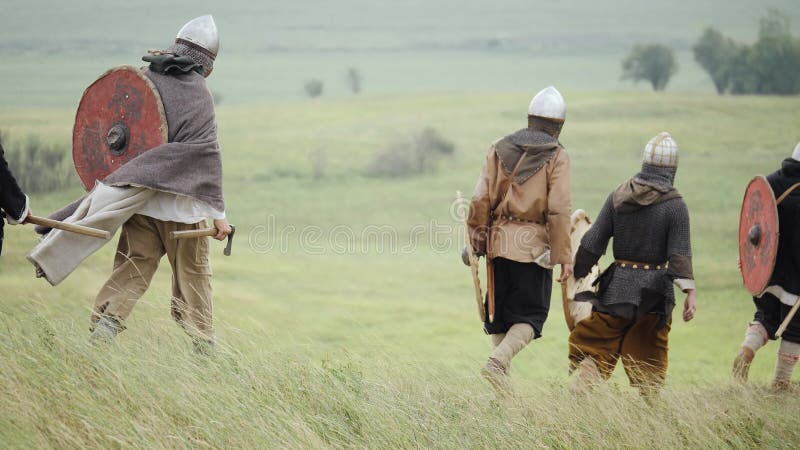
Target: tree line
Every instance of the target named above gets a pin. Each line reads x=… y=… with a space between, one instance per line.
x=770 y=66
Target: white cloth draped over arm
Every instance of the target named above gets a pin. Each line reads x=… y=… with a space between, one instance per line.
x=179 y=208
x=106 y=208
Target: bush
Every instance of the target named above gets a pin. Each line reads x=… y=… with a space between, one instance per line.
x=654 y=63
x=406 y=157
x=314 y=88
x=429 y=146
x=770 y=66
x=39 y=167
x=353 y=79
x=318 y=158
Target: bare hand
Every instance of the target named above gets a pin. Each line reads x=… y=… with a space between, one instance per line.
x=223 y=229
x=566 y=272
x=689 y=306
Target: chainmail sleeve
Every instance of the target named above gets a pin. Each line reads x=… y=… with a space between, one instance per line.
x=679 y=248
x=596 y=239
x=584 y=261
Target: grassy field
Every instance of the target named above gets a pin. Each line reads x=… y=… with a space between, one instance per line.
x=378 y=348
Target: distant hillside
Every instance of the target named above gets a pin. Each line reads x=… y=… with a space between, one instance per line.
x=52 y=50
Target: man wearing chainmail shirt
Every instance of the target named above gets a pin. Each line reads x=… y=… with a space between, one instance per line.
x=631 y=314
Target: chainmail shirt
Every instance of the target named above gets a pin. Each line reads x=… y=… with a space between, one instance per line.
x=654 y=234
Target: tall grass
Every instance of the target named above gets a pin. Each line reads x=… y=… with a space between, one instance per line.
x=383 y=350
x=153 y=392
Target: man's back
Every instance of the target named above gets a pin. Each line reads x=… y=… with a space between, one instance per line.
x=188 y=105
x=787 y=264
x=647 y=234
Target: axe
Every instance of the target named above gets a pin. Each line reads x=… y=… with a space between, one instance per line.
x=204 y=233
x=71 y=227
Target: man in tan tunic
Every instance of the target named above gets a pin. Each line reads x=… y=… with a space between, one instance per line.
x=520 y=220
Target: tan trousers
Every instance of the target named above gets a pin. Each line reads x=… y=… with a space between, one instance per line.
x=605 y=339
x=142 y=243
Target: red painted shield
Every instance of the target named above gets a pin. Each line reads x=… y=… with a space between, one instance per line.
x=758 y=235
x=119 y=117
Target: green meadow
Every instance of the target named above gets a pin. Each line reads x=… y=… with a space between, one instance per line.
x=332 y=333
x=344 y=316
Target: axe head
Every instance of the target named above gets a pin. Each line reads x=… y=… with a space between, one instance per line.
x=227 y=251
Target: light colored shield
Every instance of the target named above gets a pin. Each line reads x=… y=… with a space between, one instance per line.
x=574 y=311
x=758 y=235
x=120 y=116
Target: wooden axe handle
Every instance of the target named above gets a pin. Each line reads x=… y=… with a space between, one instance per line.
x=207 y=232
x=565 y=304
x=787 y=320
x=193 y=233
x=72 y=228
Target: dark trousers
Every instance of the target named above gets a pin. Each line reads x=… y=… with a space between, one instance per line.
x=770 y=312
x=521 y=295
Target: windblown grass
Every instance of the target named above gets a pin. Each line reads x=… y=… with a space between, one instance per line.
x=374 y=349
x=59 y=391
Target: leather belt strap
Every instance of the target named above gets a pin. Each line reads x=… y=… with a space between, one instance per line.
x=640 y=265
x=786 y=193
x=515 y=219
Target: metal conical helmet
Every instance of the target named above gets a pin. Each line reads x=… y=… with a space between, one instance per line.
x=549 y=104
x=796 y=152
x=201 y=34
x=661 y=151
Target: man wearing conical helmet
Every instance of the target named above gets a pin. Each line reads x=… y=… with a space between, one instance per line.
x=519 y=220
x=172 y=187
x=632 y=308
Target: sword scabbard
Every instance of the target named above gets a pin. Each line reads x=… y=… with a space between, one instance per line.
x=490 y=288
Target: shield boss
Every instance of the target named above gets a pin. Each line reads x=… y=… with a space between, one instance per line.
x=758 y=235
x=120 y=116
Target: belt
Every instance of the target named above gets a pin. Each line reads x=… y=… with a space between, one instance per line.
x=516 y=219
x=640 y=265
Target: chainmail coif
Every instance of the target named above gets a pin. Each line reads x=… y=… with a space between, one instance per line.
x=661 y=178
x=205 y=62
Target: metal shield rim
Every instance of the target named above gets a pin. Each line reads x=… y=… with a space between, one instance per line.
x=742 y=242
x=138 y=72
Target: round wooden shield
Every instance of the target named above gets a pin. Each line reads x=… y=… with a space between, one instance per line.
x=120 y=116
x=758 y=235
